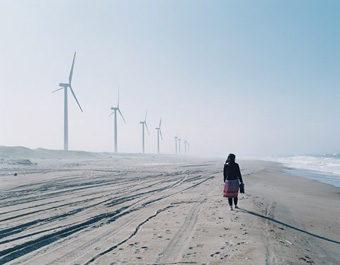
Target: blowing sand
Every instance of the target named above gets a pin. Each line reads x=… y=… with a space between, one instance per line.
x=162 y=210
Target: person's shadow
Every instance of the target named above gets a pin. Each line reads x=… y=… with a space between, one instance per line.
x=289 y=226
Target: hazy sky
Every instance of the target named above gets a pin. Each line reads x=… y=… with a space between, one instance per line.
x=249 y=77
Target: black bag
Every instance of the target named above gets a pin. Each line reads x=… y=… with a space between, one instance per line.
x=241 y=188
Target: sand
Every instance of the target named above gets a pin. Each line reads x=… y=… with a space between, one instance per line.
x=134 y=209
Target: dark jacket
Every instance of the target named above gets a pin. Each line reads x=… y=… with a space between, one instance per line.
x=232 y=171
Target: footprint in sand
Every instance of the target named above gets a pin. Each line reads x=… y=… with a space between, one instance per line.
x=214 y=255
x=200 y=245
x=307 y=259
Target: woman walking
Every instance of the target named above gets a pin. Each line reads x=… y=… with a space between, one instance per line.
x=232 y=179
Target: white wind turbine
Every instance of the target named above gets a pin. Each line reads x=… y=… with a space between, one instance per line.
x=65 y=86
x=176 y=139
x=115 y=109
x=159 y=133
x=179 y=145
x=144 y=124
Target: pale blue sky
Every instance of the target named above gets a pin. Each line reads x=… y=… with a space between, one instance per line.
x=249 y=77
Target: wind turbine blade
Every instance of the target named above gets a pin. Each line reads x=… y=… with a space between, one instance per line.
x=58 y=89
x=111 y=113
x=71 y=72
x=118 y=99
x=160 y=123
x=160 y=132
x=147 y=128
x=121 y=115
x=75 y=98
x=146 y=114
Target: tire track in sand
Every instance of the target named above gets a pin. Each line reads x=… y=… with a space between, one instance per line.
x=174 y=249
x=181 y=235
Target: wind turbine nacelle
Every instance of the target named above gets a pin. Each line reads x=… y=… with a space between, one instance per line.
x=63 y=85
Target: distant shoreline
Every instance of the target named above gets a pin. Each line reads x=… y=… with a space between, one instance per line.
x=21 y=152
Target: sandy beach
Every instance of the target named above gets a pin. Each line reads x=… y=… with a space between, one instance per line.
x=134 y=209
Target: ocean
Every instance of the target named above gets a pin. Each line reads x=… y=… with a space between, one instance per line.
x=324 y=168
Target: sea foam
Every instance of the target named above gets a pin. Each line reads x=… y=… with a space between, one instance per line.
x=324 y=167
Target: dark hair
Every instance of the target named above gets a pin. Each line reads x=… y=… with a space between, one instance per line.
x=231 y=158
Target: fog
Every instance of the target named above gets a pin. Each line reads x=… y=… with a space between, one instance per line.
x=228 y=76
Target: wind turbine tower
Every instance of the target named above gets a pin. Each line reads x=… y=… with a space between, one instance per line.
x=65 y=86
x=179 y=145
x=159 y=133
x=176 y=139
x=144 y=125
x=115 y=109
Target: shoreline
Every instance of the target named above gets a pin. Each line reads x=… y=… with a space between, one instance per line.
x=324 y=168
x=175 y=214
x=319 y=176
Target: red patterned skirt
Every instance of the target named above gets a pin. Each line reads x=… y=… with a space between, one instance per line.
x=231 y=188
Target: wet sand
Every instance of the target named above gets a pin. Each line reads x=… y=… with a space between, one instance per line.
x=135 y=209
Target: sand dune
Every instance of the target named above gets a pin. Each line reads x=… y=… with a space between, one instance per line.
x=19 y=152
x=162 y=210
